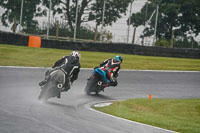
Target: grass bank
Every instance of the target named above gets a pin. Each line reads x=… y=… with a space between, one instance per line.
x=181 y=115
x=45 y=57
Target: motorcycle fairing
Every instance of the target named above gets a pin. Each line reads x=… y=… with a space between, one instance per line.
x=102 y=73
x=59 y=76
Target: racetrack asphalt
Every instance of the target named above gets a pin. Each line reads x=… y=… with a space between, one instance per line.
x=21 y=112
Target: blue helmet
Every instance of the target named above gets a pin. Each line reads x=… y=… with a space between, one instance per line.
x=118 y=58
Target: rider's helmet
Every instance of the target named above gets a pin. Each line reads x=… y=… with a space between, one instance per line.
x=76 y=54
x=118 y=58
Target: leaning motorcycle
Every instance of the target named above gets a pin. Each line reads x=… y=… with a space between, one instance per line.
x=95 y=83
x=54 y=85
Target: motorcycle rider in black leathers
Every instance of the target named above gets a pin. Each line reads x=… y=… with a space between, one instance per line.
x=111 y=68
x=71 y=67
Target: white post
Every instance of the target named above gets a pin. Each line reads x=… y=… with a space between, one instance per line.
x=22 y=4
x=49 y=19
x=129 y=20
x=101 y=37
x=155 y=30
x=146 y=12
x=75 y=27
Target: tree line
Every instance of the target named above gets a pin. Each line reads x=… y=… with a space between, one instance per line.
x=180 y=18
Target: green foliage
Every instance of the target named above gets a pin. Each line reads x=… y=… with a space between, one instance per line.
x=113 y=11
x=179 y=43
x=12 y=11
x=186 y=43
x=181 y=14
x=67 y=10
x=163 y=43
x=88 y=10
x=85 y=32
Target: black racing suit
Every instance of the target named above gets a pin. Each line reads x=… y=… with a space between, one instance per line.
x=71 y=66
x=111 y=67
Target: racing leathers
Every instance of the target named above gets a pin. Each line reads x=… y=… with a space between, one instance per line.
x=111 y=67
x=70 y=66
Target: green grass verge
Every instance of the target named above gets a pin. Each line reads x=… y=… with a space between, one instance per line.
x=181 y=115
x=11 y=55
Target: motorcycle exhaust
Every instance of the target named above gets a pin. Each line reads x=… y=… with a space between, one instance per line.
x=59 y=86
x=99 y=83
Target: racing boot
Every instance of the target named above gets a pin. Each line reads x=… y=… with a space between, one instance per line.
x=42 y=83
x=113 y=83
x=66 y=87
x=59 y=95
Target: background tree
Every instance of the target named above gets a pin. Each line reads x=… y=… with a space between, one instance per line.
x=113 y=11
x=12 y=14
x=181 y=14
x=64 y=31
x=89 y=10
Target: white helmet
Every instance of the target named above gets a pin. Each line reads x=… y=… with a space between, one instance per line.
x=76 y=54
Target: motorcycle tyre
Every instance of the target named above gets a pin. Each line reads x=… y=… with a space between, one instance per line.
x=90 y=86
x=45 y=93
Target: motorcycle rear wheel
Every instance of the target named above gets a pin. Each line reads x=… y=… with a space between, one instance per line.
x=90 y=86
x=48 y=91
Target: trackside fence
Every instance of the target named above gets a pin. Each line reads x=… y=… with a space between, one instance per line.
x=22 y=40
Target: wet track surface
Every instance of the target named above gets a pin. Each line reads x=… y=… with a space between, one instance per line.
x=21 y=112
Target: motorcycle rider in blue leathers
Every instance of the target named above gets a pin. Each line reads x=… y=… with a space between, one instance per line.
x=109 y=69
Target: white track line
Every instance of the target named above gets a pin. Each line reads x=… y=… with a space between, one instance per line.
x=126 y=70
x=23 y=67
